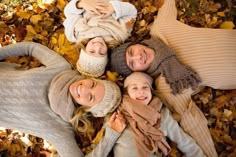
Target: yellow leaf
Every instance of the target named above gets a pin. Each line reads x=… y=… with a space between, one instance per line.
x=61 y=4
x=227 y=25
x=30 y=29
x=221 y=14
x=111 y=75
x=35 y=19
x=23 y=14
x=61 y=40
x=227 y=112
x=152 y=9
x=98 y=136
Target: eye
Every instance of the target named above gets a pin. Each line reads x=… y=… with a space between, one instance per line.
x=134 y=88
x=145 y=87
x=90 y=97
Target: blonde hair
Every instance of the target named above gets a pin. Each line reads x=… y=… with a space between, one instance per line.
x=80 y=121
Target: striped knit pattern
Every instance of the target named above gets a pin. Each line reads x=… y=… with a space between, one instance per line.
x=210 y=52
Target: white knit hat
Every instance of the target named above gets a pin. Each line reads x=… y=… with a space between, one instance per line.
x=138 y=76
x=110 y=101
x=90 y=65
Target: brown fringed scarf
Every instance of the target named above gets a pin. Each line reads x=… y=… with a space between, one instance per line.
x=179 y=76
x=145 y=122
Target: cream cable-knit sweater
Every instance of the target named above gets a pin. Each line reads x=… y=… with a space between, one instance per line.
x=210 y=52
x=80 y=25
x=24 y=103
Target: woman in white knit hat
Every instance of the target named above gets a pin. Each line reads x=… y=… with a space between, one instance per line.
x=29 y=97
x=211 y=53
x=149 y=123
x=96 y=26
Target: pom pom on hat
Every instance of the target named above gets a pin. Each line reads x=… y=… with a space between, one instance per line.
x=110 y=101
x=118 y=60
x=92 y=66
x=138 y=76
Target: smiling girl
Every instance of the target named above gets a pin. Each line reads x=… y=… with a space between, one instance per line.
x=97 y=26
x=149 y=123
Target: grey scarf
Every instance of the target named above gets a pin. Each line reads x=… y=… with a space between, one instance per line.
x=179 y=76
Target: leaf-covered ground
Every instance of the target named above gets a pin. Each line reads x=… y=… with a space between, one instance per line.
x=33 y=20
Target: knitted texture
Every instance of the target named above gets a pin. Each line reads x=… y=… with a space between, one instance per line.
x=145 y=122
x=89 y=65
x=59 y=97
x=118 y=60
x=80 y=24
x=138 y=76
x=177 y=75
x=110 y=101
x=204 y=51
x=24 y=104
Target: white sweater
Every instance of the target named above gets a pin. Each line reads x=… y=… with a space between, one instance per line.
x=24 y=104
x=80 y=25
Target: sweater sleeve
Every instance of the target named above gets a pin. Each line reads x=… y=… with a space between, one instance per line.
x=124 y=10
x=46 y=56
x=168 y=10
x=73 y=14
x=106 y=144
x=184 y=142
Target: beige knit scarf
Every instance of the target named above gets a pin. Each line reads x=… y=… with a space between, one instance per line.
x=145 y=123
x=179 y=76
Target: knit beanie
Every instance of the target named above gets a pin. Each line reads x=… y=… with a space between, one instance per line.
x=89 y=65
x=59 y=95
x=118 y=60
x=138 y=76
x=110 y=101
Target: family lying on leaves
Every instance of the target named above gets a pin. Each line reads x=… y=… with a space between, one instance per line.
x=54 y=102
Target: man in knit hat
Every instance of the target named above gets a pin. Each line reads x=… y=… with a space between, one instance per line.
x=203 y=50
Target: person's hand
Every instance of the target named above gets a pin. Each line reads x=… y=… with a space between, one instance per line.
x=89 y=6
x=105 y=8
x=117 y=122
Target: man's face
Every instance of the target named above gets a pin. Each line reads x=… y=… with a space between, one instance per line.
x=139 y=57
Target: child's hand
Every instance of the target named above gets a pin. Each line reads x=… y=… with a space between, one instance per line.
x=117 y=122
x=105 y=8
x=89 y=6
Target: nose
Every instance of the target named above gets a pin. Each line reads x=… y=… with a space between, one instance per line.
x=140 y=91
x=84 y=90
x=136 y=57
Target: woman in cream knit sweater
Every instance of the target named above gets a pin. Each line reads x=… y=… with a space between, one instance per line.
x=211 y=53
x=29 y=97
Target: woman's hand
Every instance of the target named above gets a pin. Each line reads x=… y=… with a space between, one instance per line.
x=89 y=6
x=105 y=8
x=117 y=122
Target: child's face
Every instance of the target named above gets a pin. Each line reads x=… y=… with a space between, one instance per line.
x=139 y=57
x=87 y=92
x=96 y=47
x=140 y=91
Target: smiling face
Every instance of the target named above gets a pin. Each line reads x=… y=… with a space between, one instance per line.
x=139 y=57
x=87 y=92
x=140 y=90
x=96 y=47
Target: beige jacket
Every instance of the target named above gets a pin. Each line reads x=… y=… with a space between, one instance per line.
x=211 y=53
